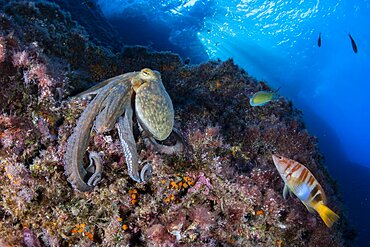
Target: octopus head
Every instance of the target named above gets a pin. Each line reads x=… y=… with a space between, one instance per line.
x=144 y=79
x=153 y=105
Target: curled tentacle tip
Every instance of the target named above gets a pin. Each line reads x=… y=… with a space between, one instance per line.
x=95 y=167
x=146 y=172
x=94 y=180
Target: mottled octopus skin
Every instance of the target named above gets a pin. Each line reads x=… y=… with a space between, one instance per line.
x=154 y=111
x=79 y=140
x=153 y=106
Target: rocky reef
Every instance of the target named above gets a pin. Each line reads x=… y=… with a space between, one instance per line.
x=225 y=191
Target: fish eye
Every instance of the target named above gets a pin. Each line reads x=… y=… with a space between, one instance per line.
x=279 y=156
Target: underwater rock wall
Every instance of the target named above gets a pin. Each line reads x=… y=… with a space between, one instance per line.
x=224 y=191
x=89 y=15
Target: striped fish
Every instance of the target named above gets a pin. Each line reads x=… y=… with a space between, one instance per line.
x=300 y=181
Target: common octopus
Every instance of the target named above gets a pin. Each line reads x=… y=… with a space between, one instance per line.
x=116 y=101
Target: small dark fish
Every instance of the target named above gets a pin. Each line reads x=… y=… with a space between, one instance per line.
x=319 y=40
x=354 y=46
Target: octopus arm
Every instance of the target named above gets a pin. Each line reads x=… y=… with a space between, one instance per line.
x=178 y=147
x=113 y=107
x=94 y=90
x=126 y=136
x=77 y=144
x=110 y=99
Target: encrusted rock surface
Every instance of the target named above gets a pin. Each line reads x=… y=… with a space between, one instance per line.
x=224 y=192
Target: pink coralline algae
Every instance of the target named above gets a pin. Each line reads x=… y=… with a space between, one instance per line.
x=203 y=217
x=21 y=59
x=223 y=191
x=2 y=50
x=201 y=182
x=38 y=73
x=30 y=239
x=42 y=125
x=159 y=236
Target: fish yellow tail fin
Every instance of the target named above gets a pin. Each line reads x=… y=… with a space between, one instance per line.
x=327 y=215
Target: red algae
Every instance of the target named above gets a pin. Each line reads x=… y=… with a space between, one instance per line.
x=2 y=50
x=225 y=191
x=158 y=235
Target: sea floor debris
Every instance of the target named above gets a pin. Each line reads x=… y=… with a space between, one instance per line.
x=225 y=191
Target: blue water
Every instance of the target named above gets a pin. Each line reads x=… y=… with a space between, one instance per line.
x=276 y=41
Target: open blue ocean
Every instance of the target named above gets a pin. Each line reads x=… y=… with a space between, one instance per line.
x=316 y=52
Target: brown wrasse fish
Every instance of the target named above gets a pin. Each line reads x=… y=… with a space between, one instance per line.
x=300 y=181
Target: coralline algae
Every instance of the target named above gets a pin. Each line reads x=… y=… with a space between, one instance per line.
x=225 y=191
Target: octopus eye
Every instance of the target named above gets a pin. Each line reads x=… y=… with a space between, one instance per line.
x=146 y=72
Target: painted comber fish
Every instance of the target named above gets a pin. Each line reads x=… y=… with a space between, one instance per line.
x=300 y=181
x=262 y=98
